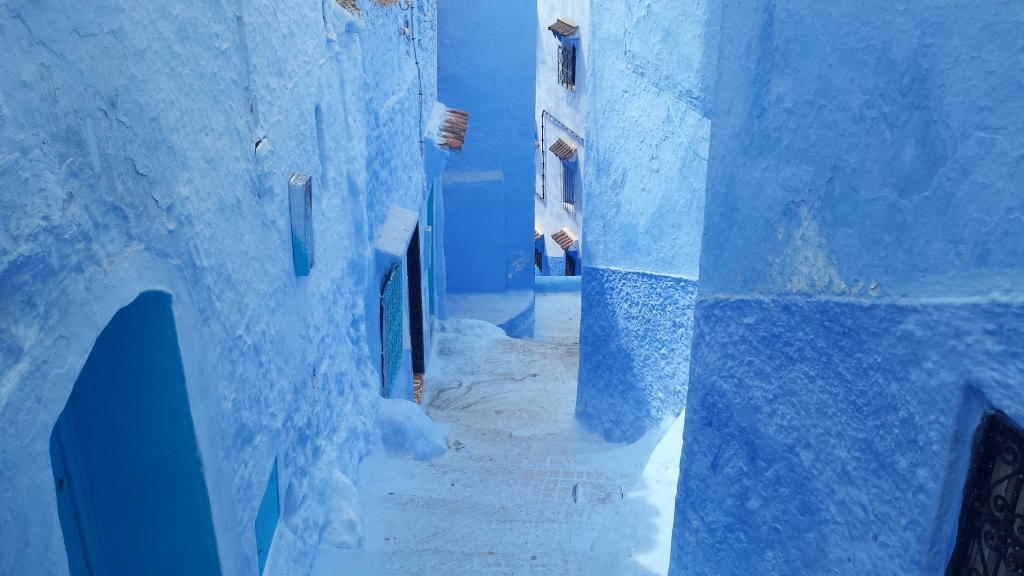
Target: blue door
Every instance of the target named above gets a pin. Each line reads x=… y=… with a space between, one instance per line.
x=131 y=497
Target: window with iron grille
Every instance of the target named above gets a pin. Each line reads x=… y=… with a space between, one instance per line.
x=990 y=534
x=567 y=67
x=568 y=188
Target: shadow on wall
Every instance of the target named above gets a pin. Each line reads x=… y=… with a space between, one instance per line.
x=635 y=334
x=127 y=473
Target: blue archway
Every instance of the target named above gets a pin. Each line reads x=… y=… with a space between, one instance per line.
x=130 y=489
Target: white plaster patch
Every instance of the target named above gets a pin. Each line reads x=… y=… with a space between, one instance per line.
x=802 y=264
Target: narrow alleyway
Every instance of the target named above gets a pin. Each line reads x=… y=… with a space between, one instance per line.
x=523 y=489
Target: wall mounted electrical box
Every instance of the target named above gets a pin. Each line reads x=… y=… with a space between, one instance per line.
x=300 y=200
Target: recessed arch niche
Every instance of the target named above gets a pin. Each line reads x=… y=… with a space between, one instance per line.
x=131 y=495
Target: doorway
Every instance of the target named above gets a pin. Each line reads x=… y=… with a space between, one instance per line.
x=412 y=256
x=131 y=496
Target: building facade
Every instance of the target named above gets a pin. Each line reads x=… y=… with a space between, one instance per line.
x=860 y=311
x=650 y=84
x=563 y=37
x=193 y=268
x=486 y=59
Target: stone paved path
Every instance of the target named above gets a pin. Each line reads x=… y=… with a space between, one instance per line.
x=523 y=490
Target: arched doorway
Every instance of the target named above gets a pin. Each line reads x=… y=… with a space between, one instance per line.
x=130 y=489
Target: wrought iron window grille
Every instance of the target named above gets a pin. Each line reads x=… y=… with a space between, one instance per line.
x=391 y=324
x=567 y=67
x=544 y=116
x=568 y=188
x=990 y=531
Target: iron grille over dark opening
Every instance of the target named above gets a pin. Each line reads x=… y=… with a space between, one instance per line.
x=990 y=535
x=391 y=324
x=567 y=67
x=568 y=191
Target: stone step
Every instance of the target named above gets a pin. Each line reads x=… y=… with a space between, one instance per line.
x=332 y=562
x=457 y=392
x=485 y=477
x=491 y=441
x=540 y=521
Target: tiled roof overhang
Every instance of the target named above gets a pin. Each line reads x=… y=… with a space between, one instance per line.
x=564 y=27
x=453 y=129
x=564 y=238
x=563 y=149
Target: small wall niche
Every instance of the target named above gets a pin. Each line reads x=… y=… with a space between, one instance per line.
x=131 y=496
x=300 y=201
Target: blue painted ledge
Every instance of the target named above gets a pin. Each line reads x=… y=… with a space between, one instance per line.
x=558 y=284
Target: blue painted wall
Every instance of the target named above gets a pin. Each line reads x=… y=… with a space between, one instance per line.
x=117 y=178
x=861 y=303
x=651 y=78
x=638 y=349
x=487 y=59
x=401 y=71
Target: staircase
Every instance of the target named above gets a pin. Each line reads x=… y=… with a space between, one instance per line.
x=522 y=490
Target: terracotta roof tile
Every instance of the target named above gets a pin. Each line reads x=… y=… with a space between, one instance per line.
x=564 y=27
x=564 y=238
x=447 y=127
x=563 y=149
x=453 y=128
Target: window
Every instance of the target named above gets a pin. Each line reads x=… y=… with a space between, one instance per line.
x=567 y=67
x=990 y=533
x=569 y=188
x=538 y=259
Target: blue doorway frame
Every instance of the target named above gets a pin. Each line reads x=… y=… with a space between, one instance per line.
x=131 y=496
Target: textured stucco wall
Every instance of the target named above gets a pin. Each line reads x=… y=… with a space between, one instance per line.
x=860 y=284
x=651 y=72
x=637 y=328
x=891 y=155
x=487 y=58
x=401 y=76
x=644 y=183
x=127 y=164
